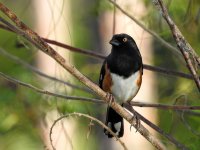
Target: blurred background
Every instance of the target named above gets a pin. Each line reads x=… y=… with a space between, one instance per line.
x=26 y=116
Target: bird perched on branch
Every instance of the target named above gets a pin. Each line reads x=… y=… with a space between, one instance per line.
x=121 y=77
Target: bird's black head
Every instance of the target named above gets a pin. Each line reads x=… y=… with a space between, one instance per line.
x=124 y=44
x=122 y=41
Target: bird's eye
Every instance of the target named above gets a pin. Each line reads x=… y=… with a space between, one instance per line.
x=125 y=39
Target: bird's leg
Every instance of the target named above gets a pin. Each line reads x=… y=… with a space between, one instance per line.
x=110 y=97
x=138 y=123
x=135 y=116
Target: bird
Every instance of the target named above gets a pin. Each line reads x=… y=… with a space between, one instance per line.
x=121 y=77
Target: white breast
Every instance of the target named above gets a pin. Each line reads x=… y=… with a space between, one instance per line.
x=124 y=89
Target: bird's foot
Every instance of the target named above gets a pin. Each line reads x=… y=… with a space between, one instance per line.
x=110 y=97
x=137 y=122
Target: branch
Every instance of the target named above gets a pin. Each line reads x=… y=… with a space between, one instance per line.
x=17 y=82
x=100 y=56
x=40 y=43
x=74 y=49
x=88 y=117
x=5 y=27
x=29 y=67
x=190 y=113
x=169 y=72
x=184 y=47
x=187 y=125
x=163 y=106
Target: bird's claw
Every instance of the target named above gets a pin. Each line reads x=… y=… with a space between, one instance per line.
x=110 y=97
x=137 y=123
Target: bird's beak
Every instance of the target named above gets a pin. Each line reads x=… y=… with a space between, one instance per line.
x=114 y=42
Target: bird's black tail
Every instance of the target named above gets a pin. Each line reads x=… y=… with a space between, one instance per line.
x=115 y=122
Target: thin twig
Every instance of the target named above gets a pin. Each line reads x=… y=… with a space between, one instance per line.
x=2 y=26
x=101 y=56
x=184 y=47
x=163 y=106
x=169 y=72
x=75 y=49
x=190 y=113
x=88 y=117
x=186 y=123
x=17 y=82
x=35 y=70
x=114 y=19
x=40 y=43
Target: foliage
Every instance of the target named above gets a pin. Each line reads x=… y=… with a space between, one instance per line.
x=22 y=109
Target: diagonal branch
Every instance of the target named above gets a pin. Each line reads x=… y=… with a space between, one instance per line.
x=184 y=47
x=40 y=43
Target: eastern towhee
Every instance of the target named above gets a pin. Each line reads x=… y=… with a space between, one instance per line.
x=121 y=76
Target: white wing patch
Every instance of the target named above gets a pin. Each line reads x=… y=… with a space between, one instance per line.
x=124 y=89
x=117 y=127
x=101 y=77
x=109 y=126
